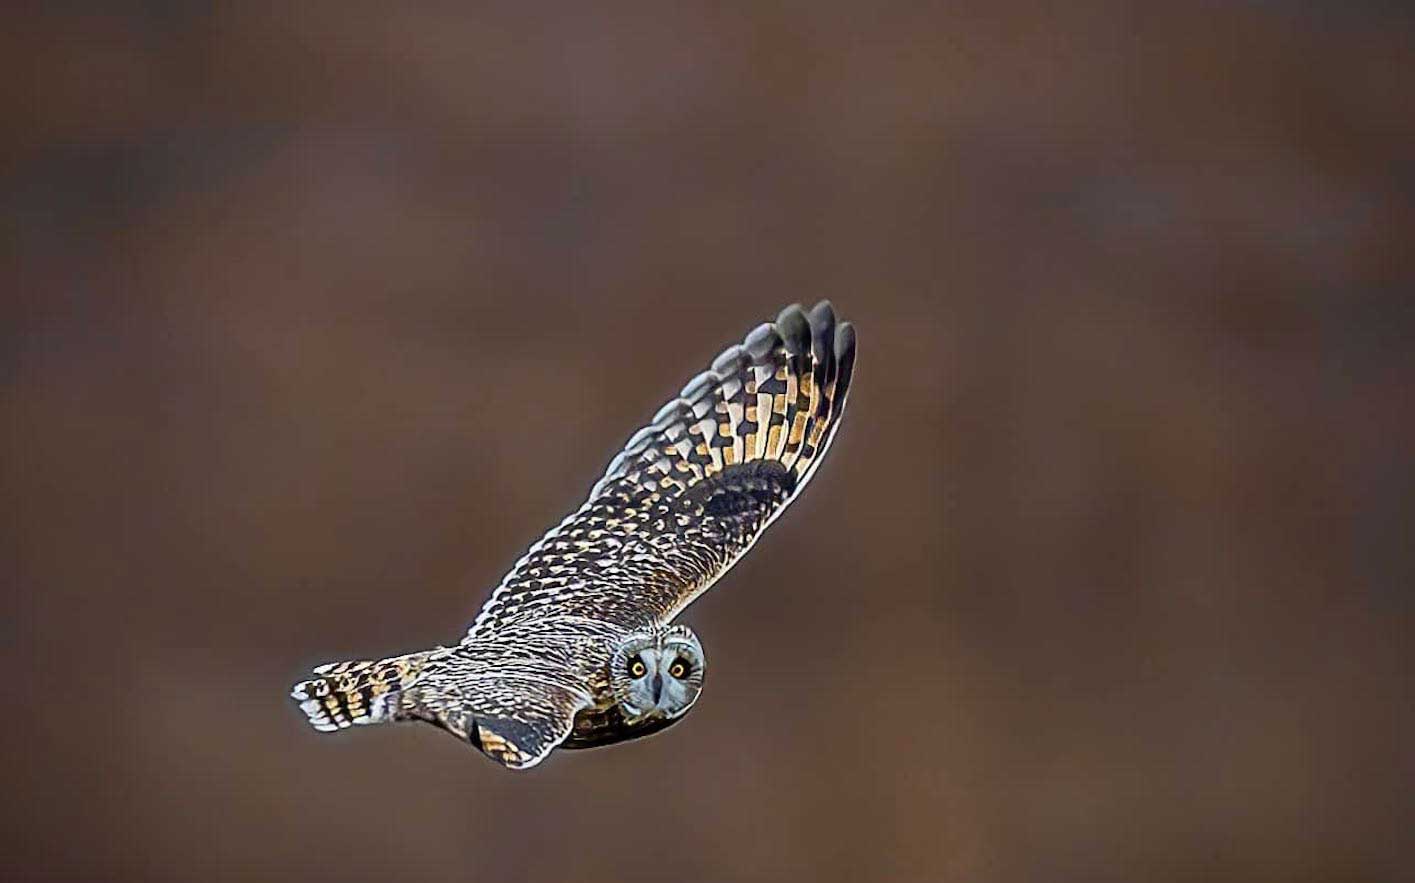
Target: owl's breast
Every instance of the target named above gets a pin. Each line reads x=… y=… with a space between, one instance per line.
x=598 y=726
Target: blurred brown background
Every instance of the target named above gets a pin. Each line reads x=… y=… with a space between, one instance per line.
x=314 y=318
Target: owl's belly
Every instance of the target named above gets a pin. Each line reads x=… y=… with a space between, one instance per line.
x=605 y=726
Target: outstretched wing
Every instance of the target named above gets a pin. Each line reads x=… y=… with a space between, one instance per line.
x=692 y=491
x=514 y=707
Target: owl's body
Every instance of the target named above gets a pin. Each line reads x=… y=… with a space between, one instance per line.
x=576 y=647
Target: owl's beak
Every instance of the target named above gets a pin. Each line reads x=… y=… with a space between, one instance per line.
x=657 y=688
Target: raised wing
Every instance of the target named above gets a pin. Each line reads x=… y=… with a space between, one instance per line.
x=691 y=492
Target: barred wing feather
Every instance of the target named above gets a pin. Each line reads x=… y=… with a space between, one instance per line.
x=690 y=492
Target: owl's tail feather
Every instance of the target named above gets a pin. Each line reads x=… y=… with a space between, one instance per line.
x=343 y=694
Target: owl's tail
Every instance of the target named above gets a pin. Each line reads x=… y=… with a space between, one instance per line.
x=342 y=694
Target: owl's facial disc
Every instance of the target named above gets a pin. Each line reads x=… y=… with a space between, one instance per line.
x=658 y=674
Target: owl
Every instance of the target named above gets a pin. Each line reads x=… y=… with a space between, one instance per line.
x=578 y=646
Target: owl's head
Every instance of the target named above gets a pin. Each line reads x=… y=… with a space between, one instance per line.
x=658 y=674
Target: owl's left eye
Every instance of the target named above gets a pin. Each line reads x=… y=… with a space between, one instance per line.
x=679 y=668
x=637 y=668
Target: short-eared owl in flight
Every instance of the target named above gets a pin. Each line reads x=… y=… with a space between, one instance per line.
x=577 y=646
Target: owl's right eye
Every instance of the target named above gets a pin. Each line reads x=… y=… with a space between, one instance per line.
x=637 y=668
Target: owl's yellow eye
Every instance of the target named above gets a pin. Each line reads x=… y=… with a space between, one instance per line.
x=637 y=668
x=679 y=668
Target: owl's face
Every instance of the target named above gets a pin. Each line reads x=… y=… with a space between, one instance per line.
x=658 y=674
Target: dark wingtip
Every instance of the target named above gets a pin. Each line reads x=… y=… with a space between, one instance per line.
x=844 y=354
x=823 y=339
x=795 y=330
x=823 y=323
x=793 y=323
x=789 y=309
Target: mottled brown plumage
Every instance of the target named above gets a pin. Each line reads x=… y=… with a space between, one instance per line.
x=687 y=496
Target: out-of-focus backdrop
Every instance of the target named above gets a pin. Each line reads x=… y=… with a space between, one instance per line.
x=314 y=316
